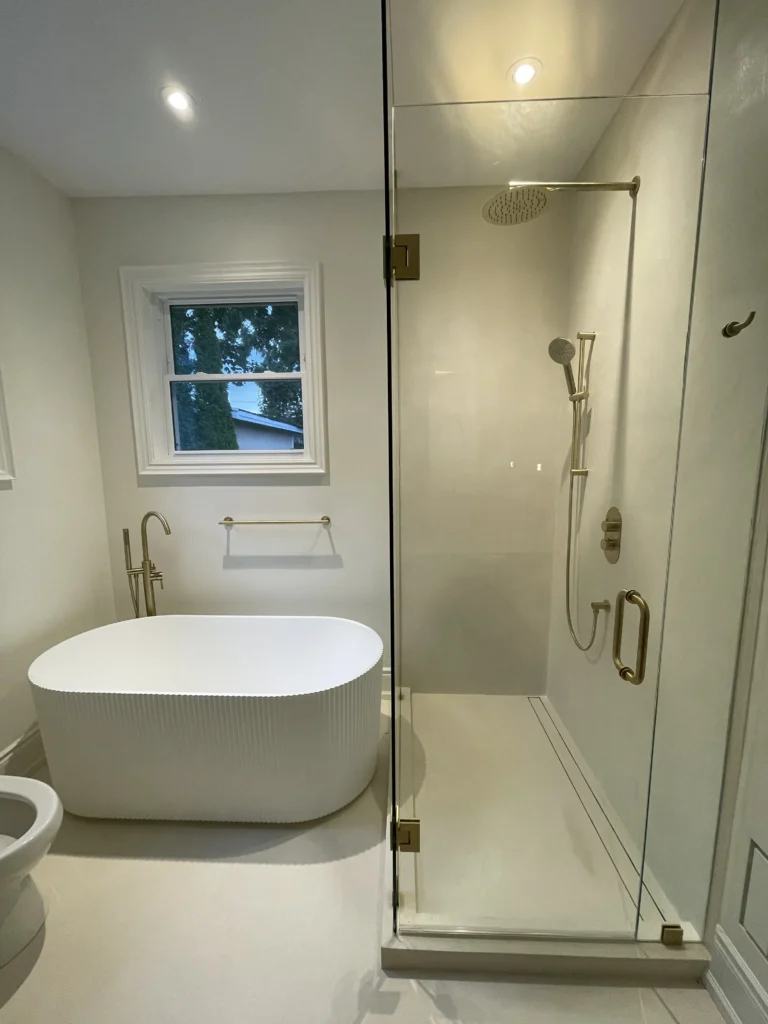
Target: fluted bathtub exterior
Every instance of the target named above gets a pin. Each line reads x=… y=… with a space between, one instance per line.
x=246 y=750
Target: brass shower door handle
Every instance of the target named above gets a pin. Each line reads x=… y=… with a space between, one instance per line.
x=636 y=675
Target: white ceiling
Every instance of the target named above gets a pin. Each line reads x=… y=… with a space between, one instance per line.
x=290 y=90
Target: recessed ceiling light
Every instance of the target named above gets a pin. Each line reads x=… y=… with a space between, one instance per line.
x=180 y=102
x=524 y=71
x=523 y=74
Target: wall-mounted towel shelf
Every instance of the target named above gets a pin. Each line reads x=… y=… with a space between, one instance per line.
x=229 y=521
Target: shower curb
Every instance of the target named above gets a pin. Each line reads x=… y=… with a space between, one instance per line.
x=649 y=963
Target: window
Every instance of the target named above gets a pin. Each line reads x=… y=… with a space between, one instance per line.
x=241 y=412
x=225 y=366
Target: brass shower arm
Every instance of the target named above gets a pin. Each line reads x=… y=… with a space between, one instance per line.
x=581 y=186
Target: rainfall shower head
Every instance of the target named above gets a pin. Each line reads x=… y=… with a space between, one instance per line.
x=515 y=205
x=562 y=351
x=522 y=201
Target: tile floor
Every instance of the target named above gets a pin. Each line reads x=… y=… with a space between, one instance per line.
x=155 y=923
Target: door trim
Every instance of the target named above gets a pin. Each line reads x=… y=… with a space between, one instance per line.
x=738 y=994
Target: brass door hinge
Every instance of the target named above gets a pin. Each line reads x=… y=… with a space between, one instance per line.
x=402 y=257
x=406 y=835
x=672 y=934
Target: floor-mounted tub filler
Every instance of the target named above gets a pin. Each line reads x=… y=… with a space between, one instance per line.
x=211 y=717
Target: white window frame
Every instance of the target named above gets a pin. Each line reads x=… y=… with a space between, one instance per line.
x=148 y=292
x=7 y=473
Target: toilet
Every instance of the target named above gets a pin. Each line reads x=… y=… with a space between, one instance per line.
x=30 y=816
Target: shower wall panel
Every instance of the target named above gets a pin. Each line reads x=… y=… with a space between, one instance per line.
x=632 y=286
x=479 y=462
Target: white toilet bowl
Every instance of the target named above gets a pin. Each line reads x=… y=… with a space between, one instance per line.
x=30 y=816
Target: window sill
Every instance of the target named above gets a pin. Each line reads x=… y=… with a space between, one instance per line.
x=201 y=465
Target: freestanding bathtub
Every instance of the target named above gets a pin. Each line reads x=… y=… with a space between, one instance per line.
x=211 y=717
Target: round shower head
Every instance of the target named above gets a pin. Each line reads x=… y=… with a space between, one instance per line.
x=561 y=351
x=515 y=205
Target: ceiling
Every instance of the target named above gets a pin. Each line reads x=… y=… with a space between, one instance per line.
x=289 y=91
x=289 y=94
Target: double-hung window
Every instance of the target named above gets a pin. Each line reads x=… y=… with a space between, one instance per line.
x=225 y=367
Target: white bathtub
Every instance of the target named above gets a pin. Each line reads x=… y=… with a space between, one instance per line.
x=211 y=717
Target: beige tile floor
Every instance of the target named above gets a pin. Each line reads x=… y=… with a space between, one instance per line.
x=155 y=923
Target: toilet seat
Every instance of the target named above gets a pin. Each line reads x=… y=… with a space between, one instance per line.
x=22 y=905
x=20 y=856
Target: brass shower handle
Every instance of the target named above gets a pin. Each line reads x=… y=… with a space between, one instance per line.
x=636 y=675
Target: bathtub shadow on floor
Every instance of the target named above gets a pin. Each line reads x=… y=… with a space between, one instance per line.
x=355 y=828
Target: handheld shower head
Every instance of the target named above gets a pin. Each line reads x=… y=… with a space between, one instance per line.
x=562 y=351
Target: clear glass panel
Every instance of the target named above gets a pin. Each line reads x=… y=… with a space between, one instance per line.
x=231 y=415
x=528 y=760
x=250 y=338
x=398 y=724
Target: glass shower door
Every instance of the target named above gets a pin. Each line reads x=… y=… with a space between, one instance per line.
x=525 y=759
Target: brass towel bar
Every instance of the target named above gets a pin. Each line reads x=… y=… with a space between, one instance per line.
x=229 y=521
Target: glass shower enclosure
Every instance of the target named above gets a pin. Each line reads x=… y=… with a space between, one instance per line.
x=545 y=188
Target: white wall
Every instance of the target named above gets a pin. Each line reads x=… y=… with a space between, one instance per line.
x=632 y=285
x=283 y=570
x=478 y=392
x=54 y=570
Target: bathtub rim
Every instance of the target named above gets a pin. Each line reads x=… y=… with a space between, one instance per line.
x=208 y=695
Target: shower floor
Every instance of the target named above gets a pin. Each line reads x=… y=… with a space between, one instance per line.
x=513 y=836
